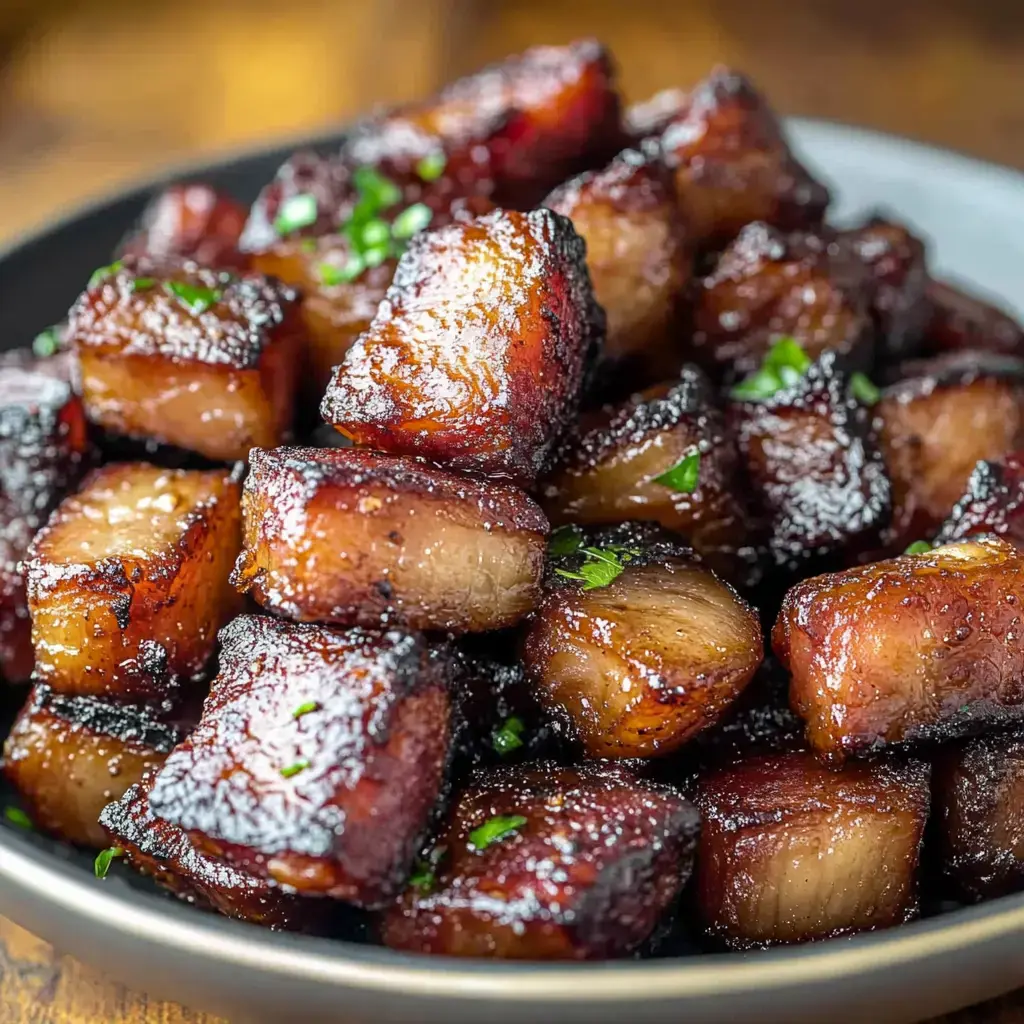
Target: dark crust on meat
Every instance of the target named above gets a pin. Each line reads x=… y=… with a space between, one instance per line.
x=993 y=503
x=918 y=378
x=960 y=320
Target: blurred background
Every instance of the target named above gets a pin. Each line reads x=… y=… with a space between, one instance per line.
x=94 y=93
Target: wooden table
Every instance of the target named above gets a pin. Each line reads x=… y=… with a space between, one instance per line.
x=95 y=93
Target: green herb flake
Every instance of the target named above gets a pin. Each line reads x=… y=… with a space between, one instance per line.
x=566 y=540
x=331 y=274
x=373 y=187
x=376 y=256
x=17 y=817
x=194 y=297
x=296 y=212
x=509 y=737
x=411 y=220
x=919 y=547
x=783 y=365
x=305 y=709
x=601 y=566
x=422 y=877
x=291 y=770
x=142 y=284
x=47 y=343
x=308 y=245
x=495 y=829
x=863 y=388
x=104 y=859
x=683 y=476
x=432 y=166
x=99 y=276
x=374 y=232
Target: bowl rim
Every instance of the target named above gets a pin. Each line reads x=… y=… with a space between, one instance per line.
x=376 y=969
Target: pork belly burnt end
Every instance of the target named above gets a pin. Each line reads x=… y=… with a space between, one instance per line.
x=319 y=757
x=165 y=853
x=638 y=258
x=979 y=808
x=128 y=582
x=639 y=647
x=814 y=467
x=925 y=646
x=43 y=448
x=992 y=503
x=477 y=356
x=541 y=862
x=612 y=469
x=68 y=757
x=192 y=357
x=355 y=537
x=962 y=321
x=766 y=285
x=791 y=851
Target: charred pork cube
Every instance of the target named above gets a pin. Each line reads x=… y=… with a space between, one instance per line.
x=636 y=646
x=960 y=321
x=899 y=304
x=979 y=806
x=354 y=537
x=662 y=457
x=190 y=221
x=541 y=862
x=924 y=646
x=68 y=757
x=192 y=357
x=637 y=255
x=791 y=851
x=652 y=116
x=992 y=503
x=128 y=582
x=477 y=356
x=165 y=853
x=812 y=457
x=732 y=162
x=319 y=757
x=936 y=426
x=768 y=285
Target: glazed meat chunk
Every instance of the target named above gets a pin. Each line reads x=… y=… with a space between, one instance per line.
x=636 y=646
x=924 y=646
x=960 y=321
x=318 y=759
x=541 y=862
x=355 y=537
x=768 y=285
x=638 y=257
x=192 y=357
x=992 y=503
x=477 y=356
x=792 y=851
x=68 y=757
x=128 y=582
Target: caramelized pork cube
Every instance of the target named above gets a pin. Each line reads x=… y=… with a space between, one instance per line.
x=664 y=457
x=128 y=582
x=993 y=503
x=636 y=646
x=541 y=862
x=768 y=285
x=319 y=757
x=68 y=757
x=814 y=466
x=732 y=162
x=162 y=851
x=979 y=808
x=191 y=221
x=637 y=256
x=477 y=356
x=936 y=426
x=653 y=115
x=791 y=851
x=354 y=537
x=191 y=357
x=920 y=647
x=960 y=321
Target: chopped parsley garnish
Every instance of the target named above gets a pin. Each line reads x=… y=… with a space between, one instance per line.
x=141 y=284
x=305 y=709
x=496 y=828
x=47 y=343
x=601 y=565
x=331 y=274
x=293 y=769
x=411 y=220
x=104 y=859
x=99 y=276
x=683 y=476
x=566 y=540
x=919 y=547
x=194 y=297
x=863 y=388
x=16 y=816
x=432 y=166
x=785 y=363
x=509 y=737
x=296 y=212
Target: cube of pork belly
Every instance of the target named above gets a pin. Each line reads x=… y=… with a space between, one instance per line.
x=192 y=357
x=935 y=426
x=636 y=646
x=732 y=162
x=992 y=503
x=979 y=810
x=128 y=582
x=190 y=221
x=792 y=851
x=962 y=321
x=354 y=537
x=68 y=757
x=477 y=356
x=814 y=466
x=767 y=285
x=541 y=862
x=319 y=758
x=925 y=646
x=630 y=462
x=164 y=852
x=638 y=259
